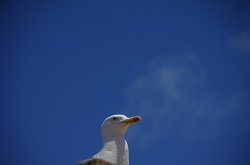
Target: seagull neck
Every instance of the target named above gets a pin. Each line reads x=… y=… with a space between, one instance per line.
x=115 y=150
x=116 y=137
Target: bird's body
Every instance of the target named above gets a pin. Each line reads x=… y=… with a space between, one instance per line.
x=115 y=148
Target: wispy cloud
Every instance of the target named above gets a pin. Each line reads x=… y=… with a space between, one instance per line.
x=241 y=41
x=173 y=98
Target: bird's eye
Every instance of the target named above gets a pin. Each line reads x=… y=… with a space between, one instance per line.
x=114 y=118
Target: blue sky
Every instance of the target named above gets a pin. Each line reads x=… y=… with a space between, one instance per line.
x=183 y=66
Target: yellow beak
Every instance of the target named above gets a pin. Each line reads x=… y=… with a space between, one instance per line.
x=131 y=120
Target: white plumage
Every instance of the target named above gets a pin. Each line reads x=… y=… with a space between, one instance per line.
x=115 y=149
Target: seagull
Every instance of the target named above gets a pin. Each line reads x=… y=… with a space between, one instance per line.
x=115 y=149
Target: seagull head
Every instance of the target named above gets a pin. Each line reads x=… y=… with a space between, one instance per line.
x=118 y=124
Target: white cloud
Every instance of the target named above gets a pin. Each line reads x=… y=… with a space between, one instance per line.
x=241 y=41
x=173 y=99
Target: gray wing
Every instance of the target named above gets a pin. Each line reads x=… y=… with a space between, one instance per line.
x=93 y=161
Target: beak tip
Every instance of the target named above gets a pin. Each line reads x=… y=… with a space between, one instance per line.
x=137 y=118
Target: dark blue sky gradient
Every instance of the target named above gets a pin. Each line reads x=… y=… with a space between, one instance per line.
x=67 y=65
